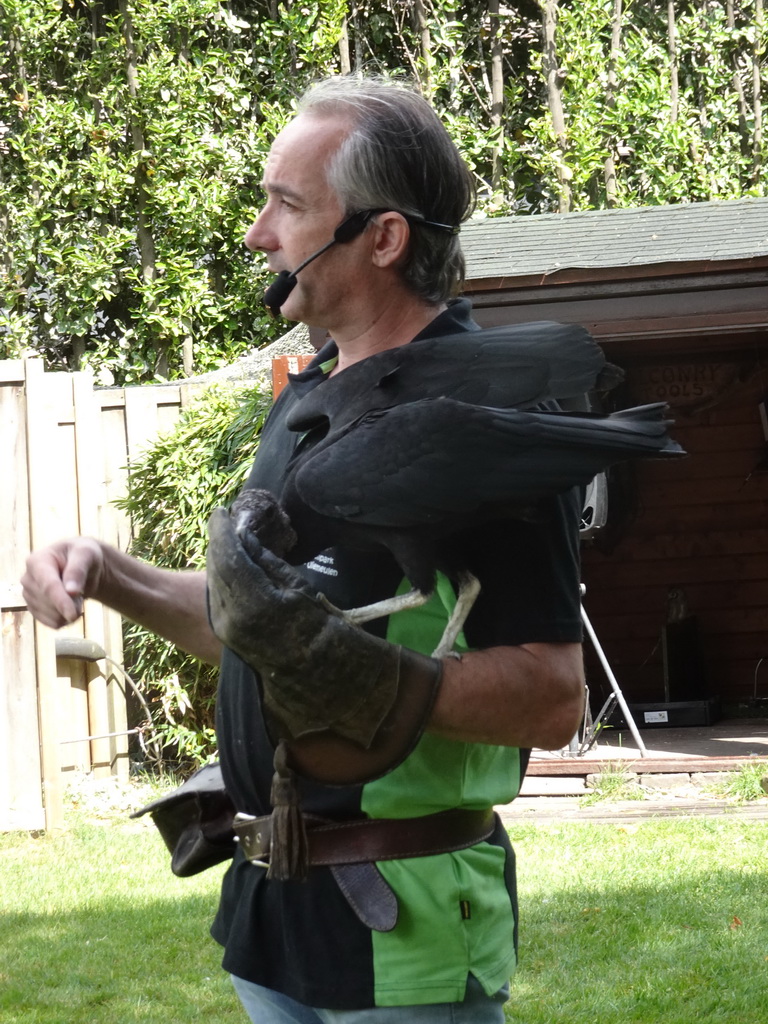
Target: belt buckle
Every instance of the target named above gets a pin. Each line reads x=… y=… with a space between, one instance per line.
x=254 y=841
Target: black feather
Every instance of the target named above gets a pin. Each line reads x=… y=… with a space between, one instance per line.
x=439 y=461
x=409 y=446
x=503 y=367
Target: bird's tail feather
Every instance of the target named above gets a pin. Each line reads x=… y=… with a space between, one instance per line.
x=640 y=429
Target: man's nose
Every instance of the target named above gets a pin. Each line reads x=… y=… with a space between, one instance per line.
x=258 y=237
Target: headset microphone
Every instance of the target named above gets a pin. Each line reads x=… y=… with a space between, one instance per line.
x=283 y=285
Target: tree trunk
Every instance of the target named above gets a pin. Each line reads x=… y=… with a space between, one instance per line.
x=497 y=94
x=674 y=86
x=344 y=61
x=22 y=98
x=611 y=89
x=21 y=92
x=422 y=26
x=738 y=85
x=144 y=232
x=78 y=351
x=357 y=37
x=554 y=78
x=144 y=236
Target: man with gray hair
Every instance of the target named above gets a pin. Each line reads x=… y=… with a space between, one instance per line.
x=377 y=152
x=365 y=193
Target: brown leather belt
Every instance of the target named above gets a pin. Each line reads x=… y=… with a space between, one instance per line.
x=370 y=840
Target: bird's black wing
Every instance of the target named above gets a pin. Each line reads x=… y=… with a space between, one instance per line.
x=516 y=365
x=440 y=459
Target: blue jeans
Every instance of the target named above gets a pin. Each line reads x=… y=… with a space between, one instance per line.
x=264 y=1006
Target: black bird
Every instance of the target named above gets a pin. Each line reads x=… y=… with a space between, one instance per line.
x=519 y=365
x=411 y=445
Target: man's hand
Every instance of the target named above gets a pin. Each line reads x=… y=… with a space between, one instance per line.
x=170 y=603
x=318 y=672
x=59 y=577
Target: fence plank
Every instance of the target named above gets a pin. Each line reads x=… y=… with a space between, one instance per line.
x=115 y=529
x=106 y=706
x=189 y=391
x=46 y=486
x=7 y=770
x=141 y=419
x=11 y=371
x=21 y=803
x=114 y=525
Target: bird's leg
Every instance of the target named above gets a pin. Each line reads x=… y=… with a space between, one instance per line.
x=413 y=599
x=469 y=589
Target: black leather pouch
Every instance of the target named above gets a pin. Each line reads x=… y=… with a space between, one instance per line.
x=195 y=822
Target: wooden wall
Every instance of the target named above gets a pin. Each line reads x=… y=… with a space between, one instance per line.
x=66 y=449
x=700 y=524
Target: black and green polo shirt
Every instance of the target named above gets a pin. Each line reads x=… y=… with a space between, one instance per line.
x=457 y=911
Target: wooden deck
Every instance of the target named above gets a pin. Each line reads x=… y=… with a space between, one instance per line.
x=583 y=766
x=676 y=776
x=554 y=810
x=724 y=746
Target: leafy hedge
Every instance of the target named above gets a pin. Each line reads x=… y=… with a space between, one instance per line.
x=132 y=138
x=133 y=133
x=174 y=486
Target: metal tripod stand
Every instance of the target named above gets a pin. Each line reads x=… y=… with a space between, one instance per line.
x=593 y=729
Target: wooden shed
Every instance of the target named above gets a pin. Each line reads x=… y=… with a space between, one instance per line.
x=678 y=296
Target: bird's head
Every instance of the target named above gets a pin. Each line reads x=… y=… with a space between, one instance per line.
x=257 y=515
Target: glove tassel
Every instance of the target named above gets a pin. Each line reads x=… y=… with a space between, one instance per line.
x=289 y=848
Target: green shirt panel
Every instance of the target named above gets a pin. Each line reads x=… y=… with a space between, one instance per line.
x=453 y=921
x=440 y=774
x=454 y=909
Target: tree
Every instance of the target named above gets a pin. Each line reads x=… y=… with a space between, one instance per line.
x=668 y=96
x=555 y=77
x=132 y=135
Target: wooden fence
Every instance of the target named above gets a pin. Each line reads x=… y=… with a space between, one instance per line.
x=66 y=449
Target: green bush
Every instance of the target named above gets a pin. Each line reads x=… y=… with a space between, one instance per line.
x=132 y=138
x=133 y=134
x=201 y=464
x=750 y=782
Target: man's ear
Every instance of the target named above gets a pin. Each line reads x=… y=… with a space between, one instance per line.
x=391 y=236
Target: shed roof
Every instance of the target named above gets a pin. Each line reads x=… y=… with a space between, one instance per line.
x=521 y=246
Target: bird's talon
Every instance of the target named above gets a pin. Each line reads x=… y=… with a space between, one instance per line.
x=329 y=606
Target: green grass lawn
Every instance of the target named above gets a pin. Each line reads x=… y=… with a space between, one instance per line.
x=660 y=922
x=96 y=930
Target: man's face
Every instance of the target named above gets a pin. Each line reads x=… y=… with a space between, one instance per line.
x=301 y=214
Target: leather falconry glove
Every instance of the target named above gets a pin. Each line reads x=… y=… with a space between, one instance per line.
x=349 y=706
